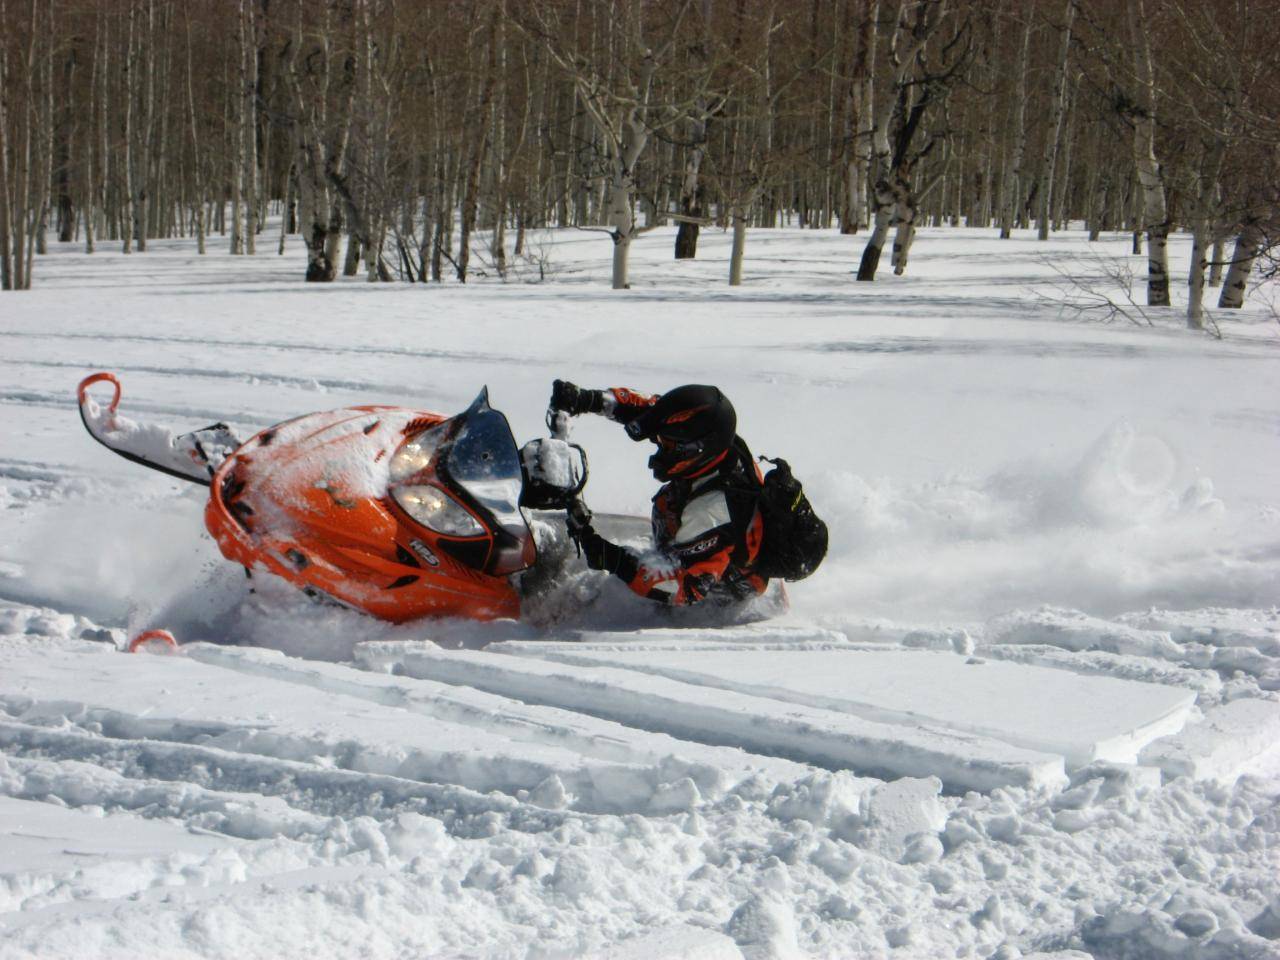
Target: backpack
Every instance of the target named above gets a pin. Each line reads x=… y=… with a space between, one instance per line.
x=795 y=538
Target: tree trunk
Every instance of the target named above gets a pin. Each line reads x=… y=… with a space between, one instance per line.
x=905 y=215
x=739 y=218
x=879 y=233
x=249 y=117
x=1216 y=262
x=6 y=211
x=65 y=152
x=1013 y=187
x=862 y=121
x=130 y=64
x=351 y=265
x=691 y=191
x=1155 y=217
x=1248 y=246
x=1195 y=277
x=196 y=170
x=1205 y=200
x=1053 y=136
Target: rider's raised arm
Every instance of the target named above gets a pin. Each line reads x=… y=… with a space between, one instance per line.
x=624 y=404
x=617 y=403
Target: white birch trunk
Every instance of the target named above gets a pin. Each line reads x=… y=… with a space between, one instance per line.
x=1155 y=218
x=90 y=188
x=1201 y=229
x=861 y=110
x=1195 y=277
x=237 y=122
x=1216 y=261
x=1058 y=108
x=104 y=147
x=6 y=212
x=1248 y=246
x=197 y=178
x=249 y=113
x=739 y=246
x=141 y=150
x=127 y=160
x=622 y=216
x=1013 y=187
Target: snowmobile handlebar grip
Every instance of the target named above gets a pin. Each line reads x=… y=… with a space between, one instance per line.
x=83 y=390
x=585 y=469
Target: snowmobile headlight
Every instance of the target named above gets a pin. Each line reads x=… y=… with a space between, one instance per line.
x=436 y=510
x=415 y=453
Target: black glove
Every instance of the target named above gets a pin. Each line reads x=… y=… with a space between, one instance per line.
x=573 y=399
x=577 y=518
x=599 y=553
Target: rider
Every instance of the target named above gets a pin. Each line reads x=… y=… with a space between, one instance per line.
x=707 y=526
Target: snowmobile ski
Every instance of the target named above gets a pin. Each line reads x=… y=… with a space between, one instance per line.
x=193 y=456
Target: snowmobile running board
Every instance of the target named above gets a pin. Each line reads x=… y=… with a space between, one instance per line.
x=186 y=457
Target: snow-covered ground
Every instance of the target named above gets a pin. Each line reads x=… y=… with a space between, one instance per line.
x=1029 y=704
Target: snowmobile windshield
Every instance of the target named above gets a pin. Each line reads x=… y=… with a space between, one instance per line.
x=483 y=461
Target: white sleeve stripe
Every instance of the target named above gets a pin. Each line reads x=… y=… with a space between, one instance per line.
x=703 y=514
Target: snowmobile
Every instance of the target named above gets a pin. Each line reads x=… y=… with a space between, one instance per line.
x=395 y=512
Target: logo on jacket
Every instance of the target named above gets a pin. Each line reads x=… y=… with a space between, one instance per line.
x=702 y=546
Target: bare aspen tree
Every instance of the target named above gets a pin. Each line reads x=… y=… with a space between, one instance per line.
x=902 y=53
x=752 y=151
x=1248 y=246
x=1217 y=259
x=1062 y=189
x=915 y=87
x=617 y=96
x=239 y=126
x=860 y=113
x=89 y=183
x=6 y=202
x=1053 y=134
x=1203 y=196
x=105 y=166
x=249 y=118
x=478 y=129
x=64 y=136
x=1155 y=217
x=692 y=189
x=197 y=177
x=24 y=222
x=144 y=183
x=1015 y=178
x=129 y=72
x=322 y=101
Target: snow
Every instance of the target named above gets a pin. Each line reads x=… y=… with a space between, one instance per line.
x=1228 y=740
x=760 y=724
x=1029 y=705
x=1049 y=711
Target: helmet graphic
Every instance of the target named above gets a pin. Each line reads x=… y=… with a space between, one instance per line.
x=693 y=427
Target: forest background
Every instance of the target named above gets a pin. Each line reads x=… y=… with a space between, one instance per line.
x=428 y=141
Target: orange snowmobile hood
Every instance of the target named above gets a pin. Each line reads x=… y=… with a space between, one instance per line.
x=308 y=500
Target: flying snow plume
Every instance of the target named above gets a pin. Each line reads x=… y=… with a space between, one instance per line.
x=1110 y=530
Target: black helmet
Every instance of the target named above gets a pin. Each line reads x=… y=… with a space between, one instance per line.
x=693 y=427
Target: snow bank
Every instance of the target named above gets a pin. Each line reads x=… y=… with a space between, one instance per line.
x=1230 y=739
x=1072 y=630
x=1081 y=718
x=182 y=699
x=755 y=723
x=714 y=770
